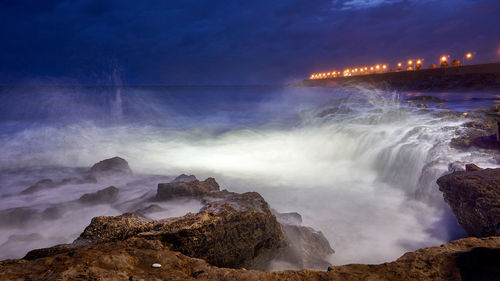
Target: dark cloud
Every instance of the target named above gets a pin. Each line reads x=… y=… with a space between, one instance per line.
x=231 y=42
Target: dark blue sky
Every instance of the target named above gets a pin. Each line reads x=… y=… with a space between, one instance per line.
x=233 y=41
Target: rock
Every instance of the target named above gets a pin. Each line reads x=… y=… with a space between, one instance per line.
x=47 y=252
x=183 y=188
x=105 y=229
x=132 y=259
x=474 y=198
x=472 y=168
x=427 y=99
x=487 y=142
x=307 y=248
x=40 y=185
x=109 y=167
x=441 y=106
x=153 y=208
x=185 y=178
x=17 y=216
x=232 y=230
x=293 y=218
x=106 y=195
x=422 y=105
x=481 y=125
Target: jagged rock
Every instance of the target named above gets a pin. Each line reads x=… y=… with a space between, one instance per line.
x=474 y=198
x=105 y=195
x=105 y=229
x=182 y=188
x=47 y=252
x=472 y=168
x=464 y=259
x=237 y=231
x=292 y=218
x=112 y=166
x=307 y=248
x=185 y=178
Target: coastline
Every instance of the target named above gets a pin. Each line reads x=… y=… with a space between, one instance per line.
x=481 y=77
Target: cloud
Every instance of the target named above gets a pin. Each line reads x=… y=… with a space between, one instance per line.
x=364 y=4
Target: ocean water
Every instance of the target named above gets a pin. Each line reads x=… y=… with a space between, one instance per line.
x=358 y=164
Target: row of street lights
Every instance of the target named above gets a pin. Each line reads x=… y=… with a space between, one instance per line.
x=413 y=65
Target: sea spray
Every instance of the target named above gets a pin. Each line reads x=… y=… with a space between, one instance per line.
x=358 y=164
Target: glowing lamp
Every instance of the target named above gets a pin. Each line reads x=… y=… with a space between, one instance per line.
x=469 y=55
x=443 y=58
x=419 y=62
x=384 y=66
x=410 y=62
x=399 y=64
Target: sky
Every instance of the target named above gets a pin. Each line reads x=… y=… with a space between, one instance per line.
x=231 y=42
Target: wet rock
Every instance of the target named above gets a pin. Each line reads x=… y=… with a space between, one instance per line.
x=427 y=99
x=468 y=138
x=232 y=230
x=17 y=216
x=47 y=252
x=54 y=212
x=307 y=248
x=474 y=198
x=183 y=188
x=109 y=167
x=292 y=218
x=153 y=208
x=48 y=183
x=106 y=229
x=464 y=259
x=40 y=185
x=487 y=142
x=185 y=178
x=472 y=168
x=481 y=125
x=441 y=106
x=422 y=105
x=106 y=195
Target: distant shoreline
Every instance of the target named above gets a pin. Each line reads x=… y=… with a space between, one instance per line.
x=479 y=77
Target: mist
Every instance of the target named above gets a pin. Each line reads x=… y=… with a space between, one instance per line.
x=358 y=165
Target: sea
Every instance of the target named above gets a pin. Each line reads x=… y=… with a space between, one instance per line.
x=359 y=164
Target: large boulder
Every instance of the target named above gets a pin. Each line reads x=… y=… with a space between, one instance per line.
x=132 y=259
x=110 y=167
x=232 y=230
x=186 y=186
x=474 y=198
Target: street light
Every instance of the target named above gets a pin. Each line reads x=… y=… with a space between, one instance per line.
x=444 y=61
x=467 y=56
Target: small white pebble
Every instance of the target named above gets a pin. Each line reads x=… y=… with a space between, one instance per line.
x=156 y=265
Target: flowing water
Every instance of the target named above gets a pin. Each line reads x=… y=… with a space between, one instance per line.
x=357 y=164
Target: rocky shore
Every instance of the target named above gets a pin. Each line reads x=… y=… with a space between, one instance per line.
x=238 y=236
